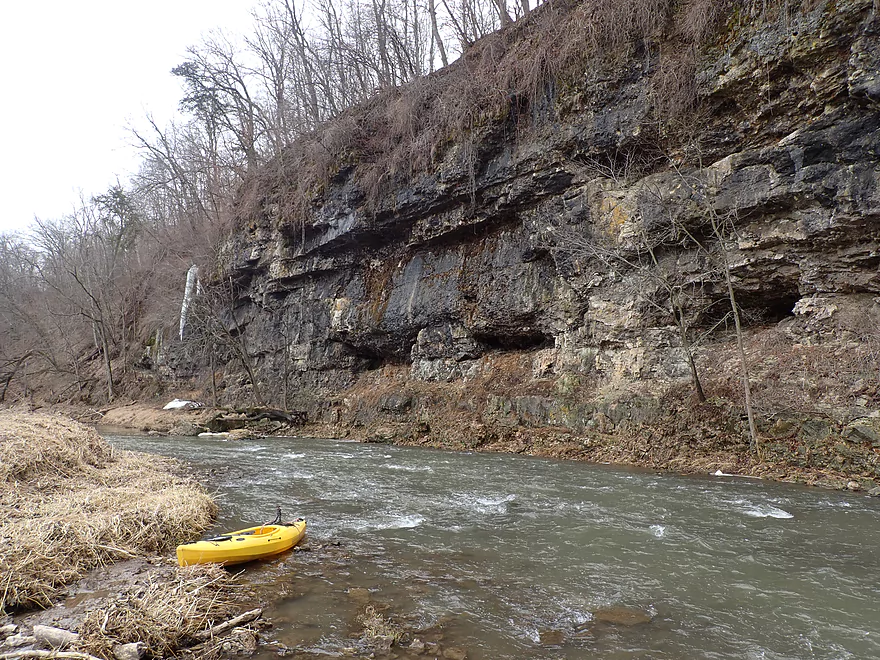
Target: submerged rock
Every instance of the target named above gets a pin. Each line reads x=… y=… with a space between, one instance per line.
x=454 y=653
x=620 y=615
x=551 y=637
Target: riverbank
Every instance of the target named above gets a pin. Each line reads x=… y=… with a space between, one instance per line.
x=85 y=543
x=688 y=438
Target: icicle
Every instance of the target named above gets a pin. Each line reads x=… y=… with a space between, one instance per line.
x=192 y=285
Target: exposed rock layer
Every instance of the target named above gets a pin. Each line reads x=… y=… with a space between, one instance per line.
x=467 y=295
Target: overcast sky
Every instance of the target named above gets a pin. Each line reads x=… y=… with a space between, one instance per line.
x=74 y=75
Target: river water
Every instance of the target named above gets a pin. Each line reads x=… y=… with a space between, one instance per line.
x=511 y=556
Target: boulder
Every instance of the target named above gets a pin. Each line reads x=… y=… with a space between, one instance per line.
x=131 y=651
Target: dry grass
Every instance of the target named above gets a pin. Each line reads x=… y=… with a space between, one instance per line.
x=165 y=615
x=379 y=630
x=836 y=376
x=35 y=447
x=70 y=503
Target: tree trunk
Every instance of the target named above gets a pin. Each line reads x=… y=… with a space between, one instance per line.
x=213 y=379
x=744 y=366
x=503 y=16
x=435 y=33
x=14 y=366
x=382 y=42
x=686 y=345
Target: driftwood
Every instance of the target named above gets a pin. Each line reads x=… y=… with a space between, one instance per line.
x=19 y=639
x=219 y=629
x=240 y=417
x=125 y=651
x=256 y=414
x=57 y=638
x=132 y=651
x=70 y=655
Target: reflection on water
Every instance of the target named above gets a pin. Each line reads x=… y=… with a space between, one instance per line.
x=513 y=557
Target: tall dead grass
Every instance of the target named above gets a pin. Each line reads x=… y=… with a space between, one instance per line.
x=33 y=448
x=70 y=503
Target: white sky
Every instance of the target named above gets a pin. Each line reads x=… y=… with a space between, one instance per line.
x=74 y=75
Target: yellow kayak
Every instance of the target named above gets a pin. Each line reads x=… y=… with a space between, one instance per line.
x=244 y=545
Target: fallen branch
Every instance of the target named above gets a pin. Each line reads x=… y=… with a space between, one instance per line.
x=240 y=620
x=70 y=655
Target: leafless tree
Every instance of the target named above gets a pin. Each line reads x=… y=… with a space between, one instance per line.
x=216 y=333
x=679 y=285
x=219 y=94
x=722 y=228
x=82 y=261
x=18 y=339
x=659 y=224
x=95 y=283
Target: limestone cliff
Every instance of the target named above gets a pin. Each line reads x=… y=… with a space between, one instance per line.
x=471 y=294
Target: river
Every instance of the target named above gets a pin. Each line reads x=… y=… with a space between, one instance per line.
x=511 y=556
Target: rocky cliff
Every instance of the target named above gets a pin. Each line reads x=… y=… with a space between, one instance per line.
x=540 y=287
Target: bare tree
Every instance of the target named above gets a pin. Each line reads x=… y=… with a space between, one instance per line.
x=216 y=333
x=662 y=284
x=722 y=226
x=85 y=298
x=669 y=220
x=503 y=15
x=82 y=260
x=436 y=39
x=20 y=335
x=218 y=93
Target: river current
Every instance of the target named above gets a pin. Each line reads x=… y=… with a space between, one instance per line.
x=511 y=556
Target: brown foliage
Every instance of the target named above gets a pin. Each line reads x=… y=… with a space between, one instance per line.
x=824 y=376
x=506 y=81
x=699 y=19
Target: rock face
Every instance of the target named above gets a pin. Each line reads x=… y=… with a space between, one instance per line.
x=493 y=263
